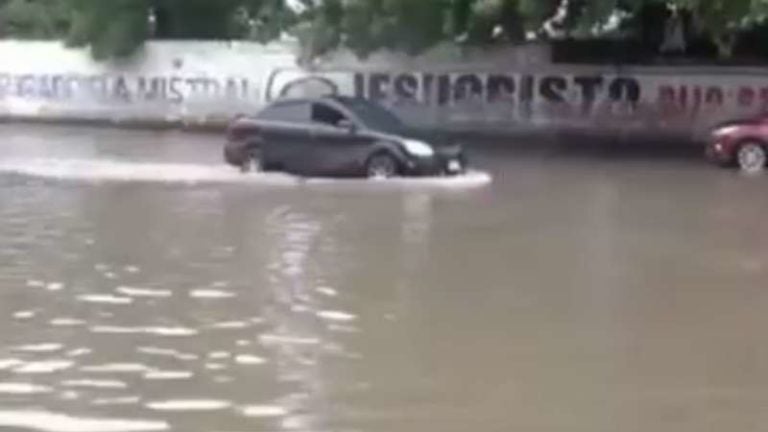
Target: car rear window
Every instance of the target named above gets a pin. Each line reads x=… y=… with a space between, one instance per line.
x=298 y=112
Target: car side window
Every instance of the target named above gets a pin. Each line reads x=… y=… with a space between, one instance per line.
x=293 y=112
x=326 y=115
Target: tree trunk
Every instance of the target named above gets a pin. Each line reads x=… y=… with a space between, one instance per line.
x=725 y=43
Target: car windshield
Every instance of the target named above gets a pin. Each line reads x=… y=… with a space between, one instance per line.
x=374 y=116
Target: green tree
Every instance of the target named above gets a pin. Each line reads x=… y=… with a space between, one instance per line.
x=266 y=20
x=114 y=28
x=723 y=19
x=117 y=28
x=33 y=19
x=196 y=19
x=412 y=26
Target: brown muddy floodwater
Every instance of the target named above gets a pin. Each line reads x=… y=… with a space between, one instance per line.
x=144 y=287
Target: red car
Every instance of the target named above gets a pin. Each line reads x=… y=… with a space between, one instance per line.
x=741 y=143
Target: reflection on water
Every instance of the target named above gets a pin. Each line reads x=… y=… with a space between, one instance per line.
x=570 y=295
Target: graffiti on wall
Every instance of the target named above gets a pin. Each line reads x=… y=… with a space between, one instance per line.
x=123 y=88
x=585 y=92
x=453 y=89
x=592 y=94
x=658 y=99
x=695 y=97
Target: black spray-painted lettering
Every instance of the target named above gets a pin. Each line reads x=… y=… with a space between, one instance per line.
x=552 y=88
x=625 y=90
x=500 y=88
x=458 y=88
x=407 y=87
x=123 y=88
x=468 y=87
x=590 y=88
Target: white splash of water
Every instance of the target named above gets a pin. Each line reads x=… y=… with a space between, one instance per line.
x=79 y=352
x=34 y=283
x=116 y=368
x=143 y=292
x=51 y=422
x=39 y=348
x=326 y=291
x=189 y=405
x=215 y=366
x=23 y=315
x=95 y=384
x=55 y=286
x=6 y=364
x=230 y=325
x=43 y=367
x=66 y=322
x=336 y=316
x=271 y=339
x=249 y=360
x=22 y=388
x=105 y=170
x=172 y=331
x=105 y=299
x=263 y=411
x=219 y=355
x=124 y=400
x=211 y=294
x=157 y=331
x=168 y=375
x=167 y=352
x=102 y=170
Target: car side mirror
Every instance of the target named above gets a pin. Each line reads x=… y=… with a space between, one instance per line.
x=347 y=125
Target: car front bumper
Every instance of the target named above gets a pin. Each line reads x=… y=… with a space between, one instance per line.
x=445 y=162
x=719 y=151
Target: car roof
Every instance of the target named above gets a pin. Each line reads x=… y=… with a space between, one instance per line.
x=333 y=98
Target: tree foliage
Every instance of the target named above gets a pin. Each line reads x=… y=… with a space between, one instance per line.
x=41 y=19
x=114 y=28
x=723 y=19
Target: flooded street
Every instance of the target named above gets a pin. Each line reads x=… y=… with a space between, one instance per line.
x=144 y=287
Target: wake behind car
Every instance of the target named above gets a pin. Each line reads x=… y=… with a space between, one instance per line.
x=740 y=143
x=336 y=137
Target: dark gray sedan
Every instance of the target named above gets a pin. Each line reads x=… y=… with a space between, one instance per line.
x=336 y=137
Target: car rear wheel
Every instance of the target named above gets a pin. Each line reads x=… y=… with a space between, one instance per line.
x=381 y=166
x=752 y=157
x=234 y=153
x=245 y=155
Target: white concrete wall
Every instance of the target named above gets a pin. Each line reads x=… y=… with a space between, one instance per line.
x=510 y=89
x=166 y=81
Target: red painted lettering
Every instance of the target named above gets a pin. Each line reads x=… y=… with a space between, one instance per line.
x=746 y=97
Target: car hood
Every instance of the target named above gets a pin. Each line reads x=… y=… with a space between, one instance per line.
x=738 y=122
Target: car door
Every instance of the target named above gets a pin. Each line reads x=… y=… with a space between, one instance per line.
x=286 y=134
x=336 y=148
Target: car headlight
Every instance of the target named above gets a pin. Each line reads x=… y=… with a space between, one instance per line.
x=418 y=148
x=727 y=130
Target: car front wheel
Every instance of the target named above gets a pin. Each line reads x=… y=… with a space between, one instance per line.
x=752 y=157
x=381 y=166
